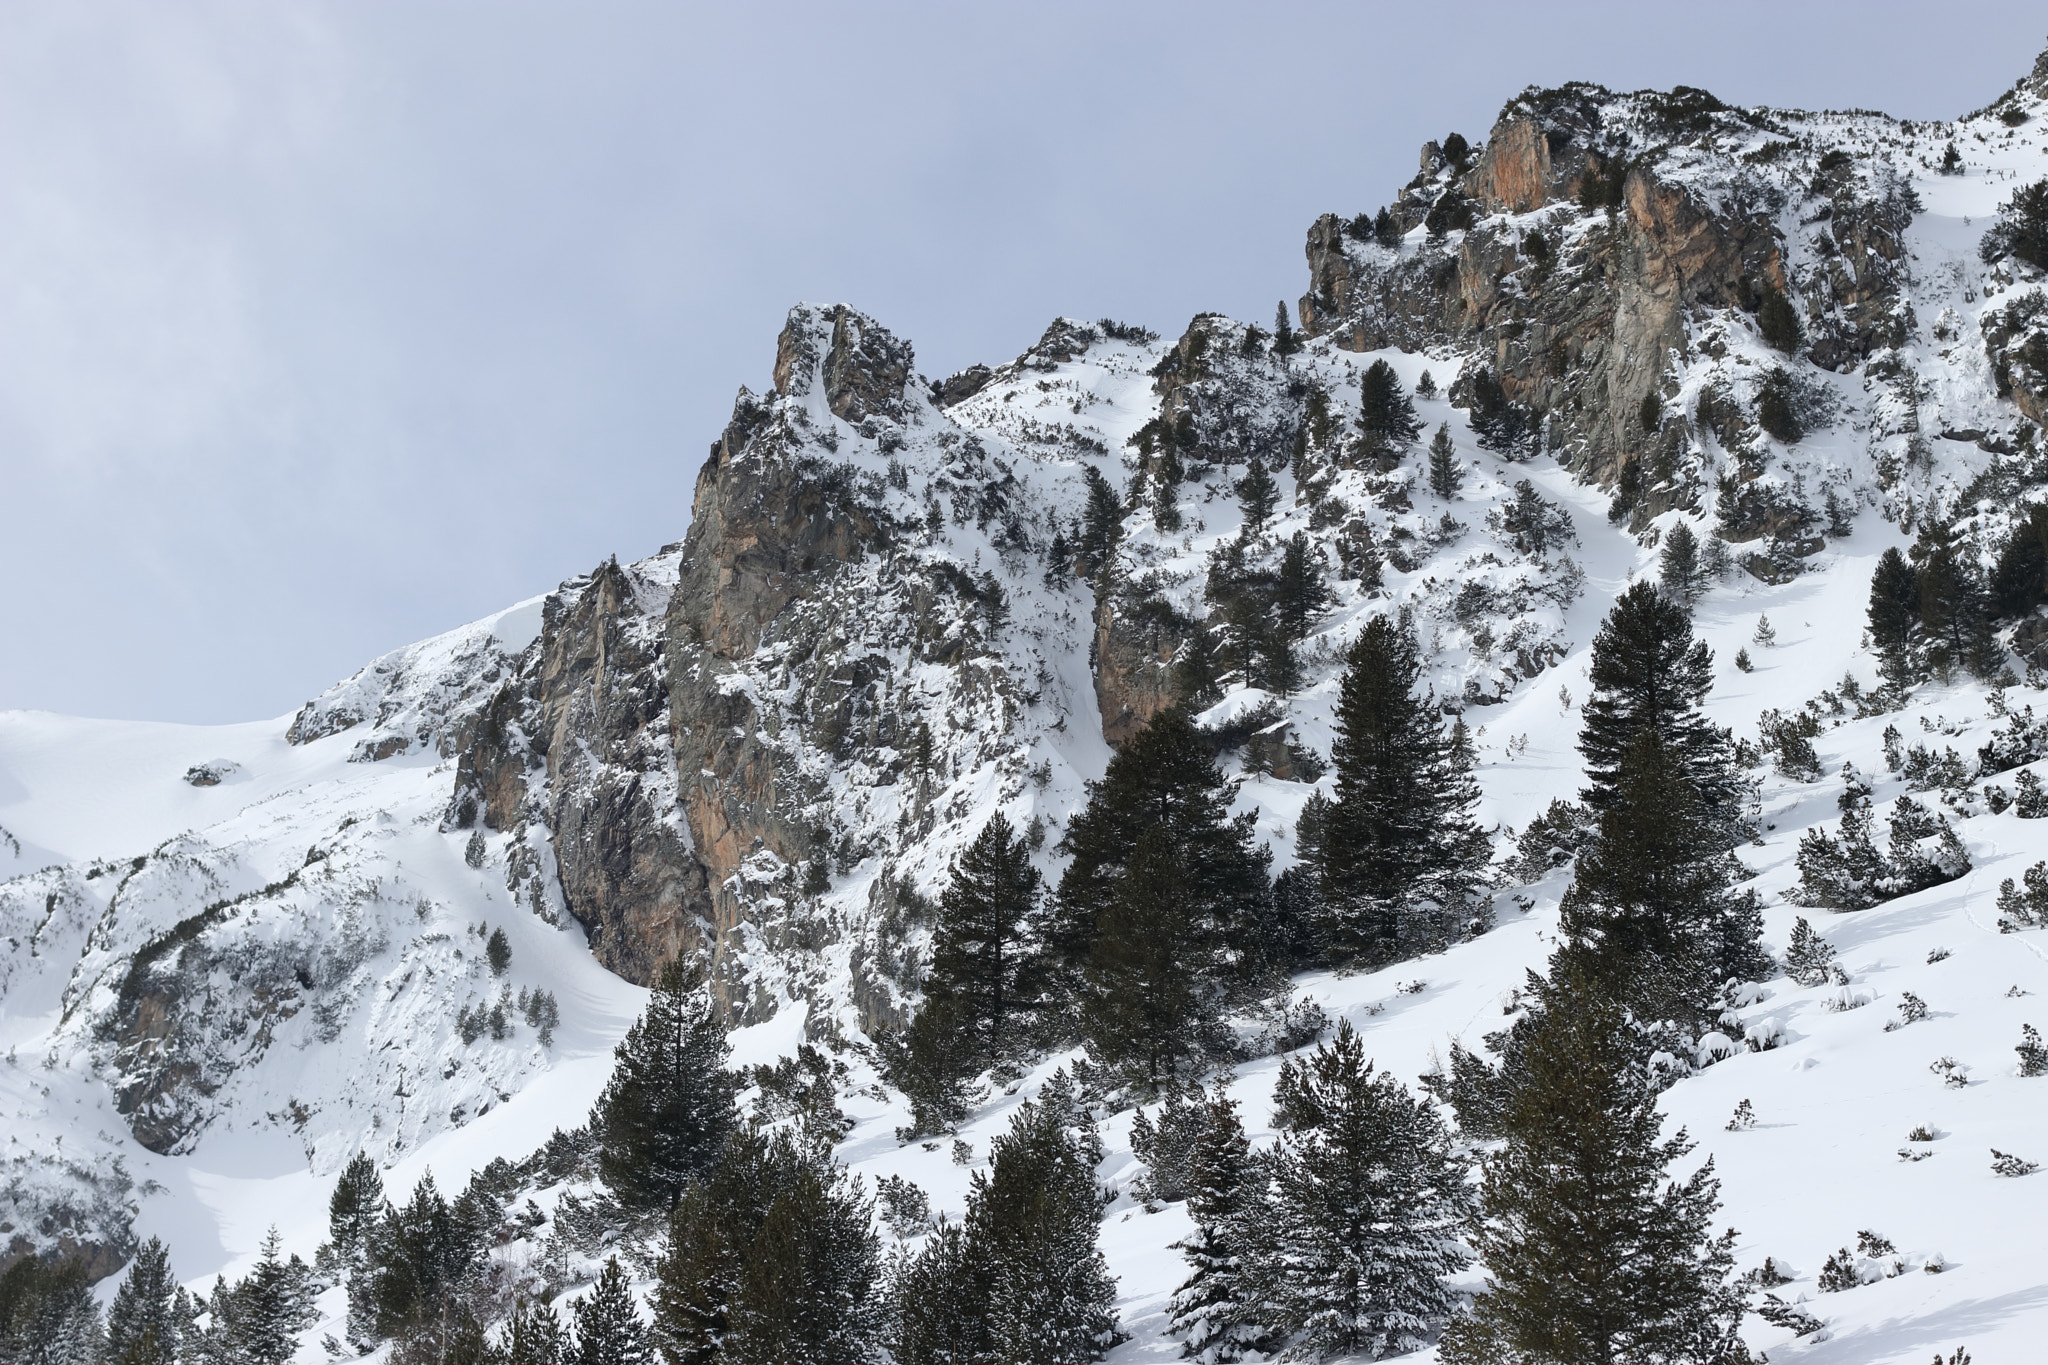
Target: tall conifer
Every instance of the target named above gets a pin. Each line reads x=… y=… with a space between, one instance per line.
x=1217 y=1312
x=608 y=1326
x=669 y=1103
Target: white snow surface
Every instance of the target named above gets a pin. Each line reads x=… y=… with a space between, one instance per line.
x=344 y=873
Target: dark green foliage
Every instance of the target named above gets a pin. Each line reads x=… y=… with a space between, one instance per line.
x=257 y=1321
x=1286 y=341
x=2022 y=228
x=1020 y=1282
x=807 y=1290
x=1774 y=409
x=1954 y=615
x=1777 y=321
x=1385 y=230
x=1258 y=494
x=740 y=1270
x=1218 y=1312
x=2020 y=581
x=669 y=1103
x=353 y=1209
x=1301 y=594
x=1592 y=1253
x=1807 y=955
x=47 y=1313
x=1894 y=611
x=1165 y=775
x=498 y=951
x=1102 y=520
x=421 y=1258
x=1366 y=1201
x=1603 y=187
x=1400 y=853
x=1951 y=161
x=1385 y=415
x=1649 y=671
x=1651 y=908
x=1149 y=1000
x=1457 y=151
x=1501 y=425
x=608 y=1326
x=1679 y=566
x=982 y=948
x=534 y=1336
x=1445 y=477
x=1651 y=412
x=1451 y=211
x=1845 y=871
x=150 y=1312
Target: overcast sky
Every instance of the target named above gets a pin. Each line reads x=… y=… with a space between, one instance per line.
x=324 y=328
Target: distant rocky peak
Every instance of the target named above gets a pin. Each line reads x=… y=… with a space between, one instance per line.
x=863 y=366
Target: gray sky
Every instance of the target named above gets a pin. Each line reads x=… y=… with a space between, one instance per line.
x=326 y=327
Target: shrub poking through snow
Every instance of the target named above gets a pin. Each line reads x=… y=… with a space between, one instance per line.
x=2006 y=1164
x=1808 y=955
x=2033 y=1056
x=2024 y=909
x=1743 y=1119
x=1839 y=1273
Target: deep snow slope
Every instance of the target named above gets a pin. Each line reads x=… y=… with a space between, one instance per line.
x=231 y=957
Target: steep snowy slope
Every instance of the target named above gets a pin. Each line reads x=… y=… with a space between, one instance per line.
x=234 y=956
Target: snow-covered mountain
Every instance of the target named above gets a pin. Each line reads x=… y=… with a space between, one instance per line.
x=235 y=956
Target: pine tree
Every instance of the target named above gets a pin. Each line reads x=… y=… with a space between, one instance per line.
x=1217 y=1313
x=1807 y=955
x=1102 y=527
x=352 y=1210
x=1367 y=1199
x=939 y=1302
x=1445 y=477
x=807 y=1293
x=1033 y=1219
x=1148 y=1008
x=149 y=1312
x=420 y=1258
x=1894 y=611
x=1286 y=341
x=1165 y=775
x=1649 y=671
x=1301 y=594
x=1679 y=567
x=1258 y=494
x=1400 y=851
x=1592 y=1253
x=669 y=1102
x=534 y=1336
x=498 y=951
x=608 y=1326
x=1385 y=230
x=982 y=946
x=47 y=1314
x=1778 y=321
x=1952 y=605
x=272 y=1306
x=1951 y=161
x=1386 y=418
x=1651 y=904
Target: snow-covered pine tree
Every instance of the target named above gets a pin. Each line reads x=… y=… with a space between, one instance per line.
x=1216 y=1313
x=808 y=1289
x=421 y=1258
x=1445 y=478
x=150 y=1311
x=1386 y=419
x=608 y=1326
x=353 y=1210
x=710 y=1236
x=48 y=1315
x=1678 y=568
x=1165 y=776
x=1651 y=906
x=1400 y=851
x=938 y=1302
x=534 y=1335
x=669 y=1103
x=1258 y=494
x=1649 y=671
x=259 y=1319
x=1807 y=955
x=1592 y=1252
x=1033 y=1219
x=1367 y=1201
x=983 y=947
